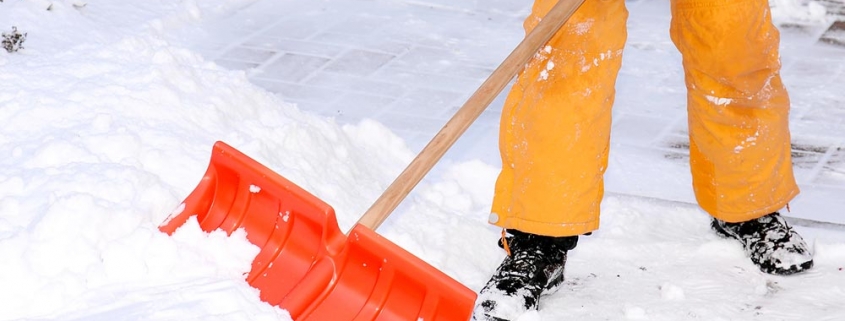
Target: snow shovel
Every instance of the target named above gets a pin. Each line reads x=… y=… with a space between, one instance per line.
x=306 y=265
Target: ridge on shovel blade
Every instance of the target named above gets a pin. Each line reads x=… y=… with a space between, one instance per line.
x=306 y=265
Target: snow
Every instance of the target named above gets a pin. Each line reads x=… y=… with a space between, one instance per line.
x=108 y=121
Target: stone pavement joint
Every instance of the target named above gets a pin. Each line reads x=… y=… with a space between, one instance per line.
x=835 y=35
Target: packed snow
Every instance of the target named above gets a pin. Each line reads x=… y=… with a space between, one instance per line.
x=108 y=123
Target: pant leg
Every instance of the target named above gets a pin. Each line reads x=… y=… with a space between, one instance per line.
x=738 y=107
x=555 y=125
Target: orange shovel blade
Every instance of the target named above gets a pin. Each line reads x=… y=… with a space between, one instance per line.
x=306 y=264
x=291 y=227
x=381 y=281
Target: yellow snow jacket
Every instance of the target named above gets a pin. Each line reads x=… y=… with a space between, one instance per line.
x=555 y=125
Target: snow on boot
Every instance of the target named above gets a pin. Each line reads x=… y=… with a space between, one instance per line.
x=533 y=267
x=770 y=243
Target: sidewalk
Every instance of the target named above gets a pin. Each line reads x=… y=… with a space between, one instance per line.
x=411 y=64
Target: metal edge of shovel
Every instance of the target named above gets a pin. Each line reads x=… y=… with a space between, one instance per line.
x=306 y=265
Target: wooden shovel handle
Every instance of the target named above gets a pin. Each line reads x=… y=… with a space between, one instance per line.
x=446 y=137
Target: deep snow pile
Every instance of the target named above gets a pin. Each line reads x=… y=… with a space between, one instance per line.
x=104 y=134
x=107 y=126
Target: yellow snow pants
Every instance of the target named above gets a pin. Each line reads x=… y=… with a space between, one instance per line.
x=555 y=125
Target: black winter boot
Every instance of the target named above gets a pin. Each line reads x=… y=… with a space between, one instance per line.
x=533 y=267
x=770 y=243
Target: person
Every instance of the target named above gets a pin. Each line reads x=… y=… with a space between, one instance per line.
x=555 y=132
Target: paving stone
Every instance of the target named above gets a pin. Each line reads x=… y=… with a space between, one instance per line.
x=835 y=35
x=833 y=172
x=292 y=67
x=294 y=27
x=480 y=140
x=236 y=65
x=489 y=117
x=359 y=62
x=429 y=102
x=441 y=61
x=308 y=96
x=820 y=165
x=352 y=107
x=427 y=80
x=255 y=55
x=361 y=42
x=362 y=25
x=296 y=46
x=398 y=120
x=366 y=85
x=807 y=156
x=819 y=68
